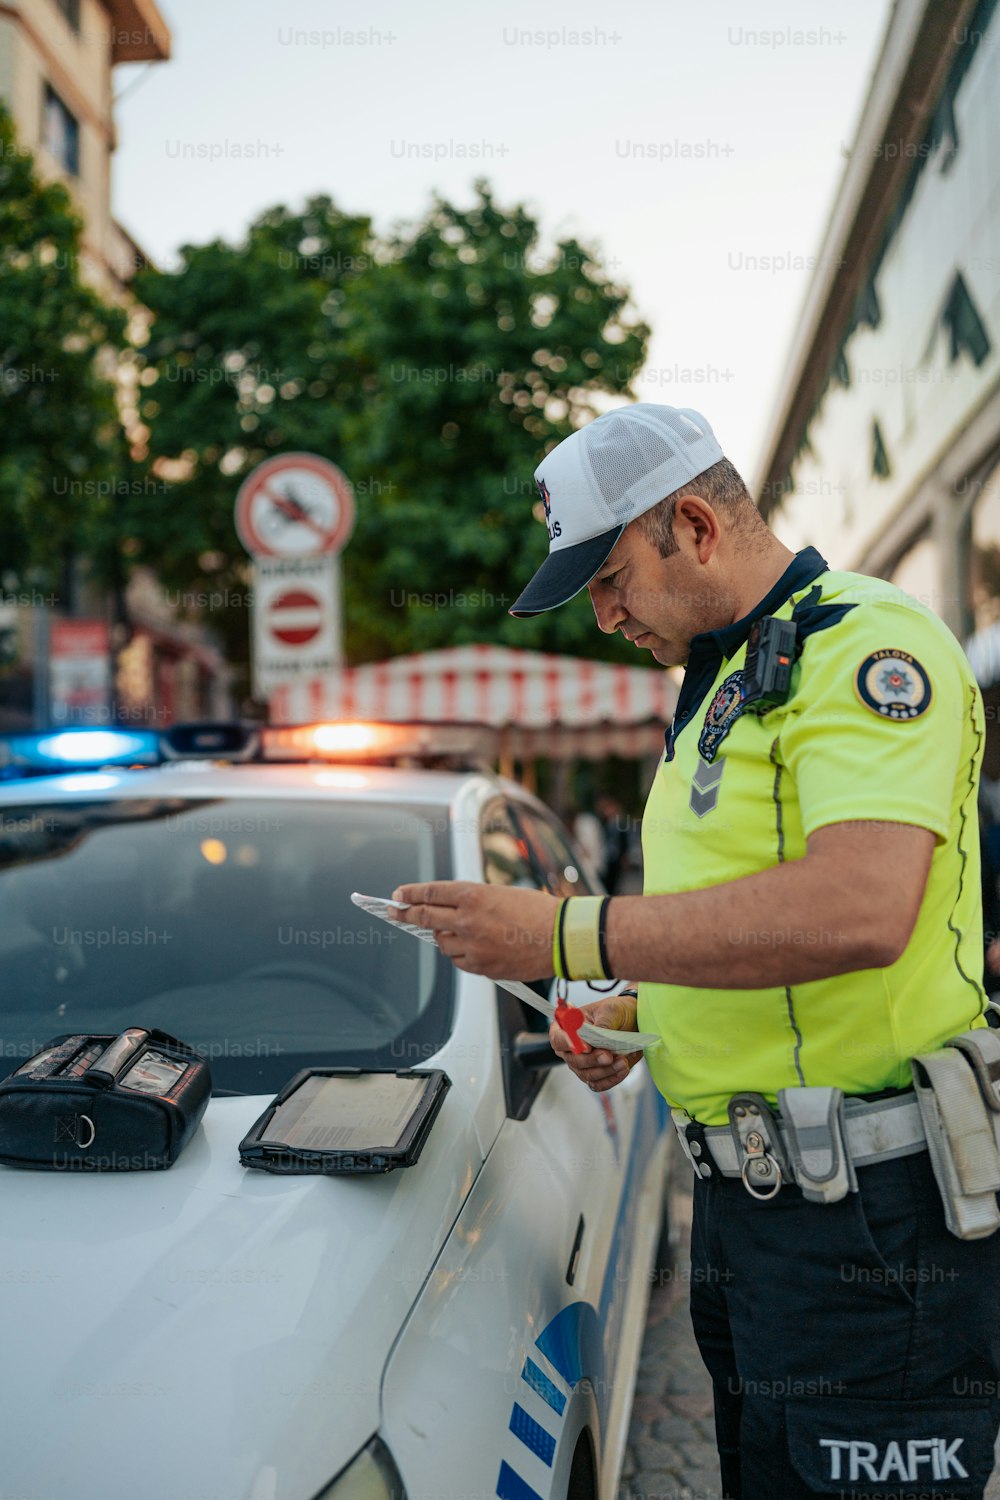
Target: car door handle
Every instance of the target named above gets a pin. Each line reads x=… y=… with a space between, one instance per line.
x=574 y=1254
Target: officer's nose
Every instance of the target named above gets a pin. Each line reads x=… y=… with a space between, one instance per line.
x=609 y=611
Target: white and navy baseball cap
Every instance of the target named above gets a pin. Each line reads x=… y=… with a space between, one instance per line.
x=599 y=479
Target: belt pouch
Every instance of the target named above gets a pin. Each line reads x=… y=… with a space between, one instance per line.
x=981 y=1050
x=961 y=1141
x=814 y=1133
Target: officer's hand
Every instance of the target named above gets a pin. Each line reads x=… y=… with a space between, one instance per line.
x=599 y=1069
x=497 y=930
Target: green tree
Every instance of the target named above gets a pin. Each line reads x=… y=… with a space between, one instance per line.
x=61 y=445
x=245 y=358
x=436 y=368
x=486 y=355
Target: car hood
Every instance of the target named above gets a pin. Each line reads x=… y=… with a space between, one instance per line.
x=209 y=1330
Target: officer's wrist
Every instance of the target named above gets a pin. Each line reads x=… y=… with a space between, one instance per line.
x=579 y=939
x=628 y=1002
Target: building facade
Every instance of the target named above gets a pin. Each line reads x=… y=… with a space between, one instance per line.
x=884 y=451
x=57 y=61
x=127 y=659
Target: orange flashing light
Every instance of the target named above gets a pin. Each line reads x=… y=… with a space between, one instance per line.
x=345 y=737
x=347 y=740
x=362 y=741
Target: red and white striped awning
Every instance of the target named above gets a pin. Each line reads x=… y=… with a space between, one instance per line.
x=494 y=685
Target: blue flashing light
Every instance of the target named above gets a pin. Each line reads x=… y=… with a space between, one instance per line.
x=91 y=746
x=67 y=749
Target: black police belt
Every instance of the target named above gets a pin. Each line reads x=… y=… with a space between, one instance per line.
x=818 y=1138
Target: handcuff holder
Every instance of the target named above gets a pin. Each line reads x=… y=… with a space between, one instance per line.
x=763 y=1163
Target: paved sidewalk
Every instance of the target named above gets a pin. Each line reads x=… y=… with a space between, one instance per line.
x=671 y=1445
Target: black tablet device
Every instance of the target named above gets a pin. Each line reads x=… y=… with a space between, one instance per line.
x=346 y=1120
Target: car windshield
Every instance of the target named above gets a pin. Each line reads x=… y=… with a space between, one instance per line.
x=227 y=923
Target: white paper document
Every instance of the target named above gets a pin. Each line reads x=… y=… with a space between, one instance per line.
x=596 y=1036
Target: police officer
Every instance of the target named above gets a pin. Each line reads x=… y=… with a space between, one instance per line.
x=810 y=922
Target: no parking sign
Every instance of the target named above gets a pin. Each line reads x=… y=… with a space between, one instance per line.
x=295 y=505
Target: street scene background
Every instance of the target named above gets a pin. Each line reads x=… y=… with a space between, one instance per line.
x=401 y=253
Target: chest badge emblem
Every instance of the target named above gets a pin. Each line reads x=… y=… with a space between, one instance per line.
x=723 y=711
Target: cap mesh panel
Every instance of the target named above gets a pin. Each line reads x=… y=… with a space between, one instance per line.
x=620 y=459
x=675 y=420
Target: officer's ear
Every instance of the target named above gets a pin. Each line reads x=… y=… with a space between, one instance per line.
x=697 y=530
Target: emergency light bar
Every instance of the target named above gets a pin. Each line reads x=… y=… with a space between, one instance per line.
x=346 y=741
x=372 y=742
x=77 y=749
x=222 y=741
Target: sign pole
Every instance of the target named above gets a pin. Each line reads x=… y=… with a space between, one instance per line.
x=40 y=668
x=338 y=613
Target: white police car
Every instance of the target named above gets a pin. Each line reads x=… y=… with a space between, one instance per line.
x=467 y=1326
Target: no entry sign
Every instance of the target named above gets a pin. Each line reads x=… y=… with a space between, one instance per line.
x=296 y=617
x=295 y=609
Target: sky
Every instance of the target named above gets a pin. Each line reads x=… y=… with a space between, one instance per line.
x=699 y=146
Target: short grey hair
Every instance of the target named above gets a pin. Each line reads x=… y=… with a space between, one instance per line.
x=724 y=490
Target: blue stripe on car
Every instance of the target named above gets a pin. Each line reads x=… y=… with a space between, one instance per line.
x=540 y=1382
x=571 y=1342
x=511 y=1486
x=532 y=1434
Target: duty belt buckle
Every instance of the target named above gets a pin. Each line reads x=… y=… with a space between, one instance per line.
x=763 y=1167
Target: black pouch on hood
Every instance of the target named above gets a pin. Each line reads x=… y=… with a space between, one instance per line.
x=121 y=1103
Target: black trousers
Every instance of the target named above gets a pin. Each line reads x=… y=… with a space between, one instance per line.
x=854 y=1347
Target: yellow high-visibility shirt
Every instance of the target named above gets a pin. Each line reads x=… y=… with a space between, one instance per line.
x=884 y=722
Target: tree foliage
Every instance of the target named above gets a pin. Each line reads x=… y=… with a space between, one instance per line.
x=436 y=367
x=61 y=445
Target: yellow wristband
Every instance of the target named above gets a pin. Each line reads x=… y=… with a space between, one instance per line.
x=581 y=925
x=557 y=958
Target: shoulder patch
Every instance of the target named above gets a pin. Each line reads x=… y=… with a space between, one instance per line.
x=893 y=684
